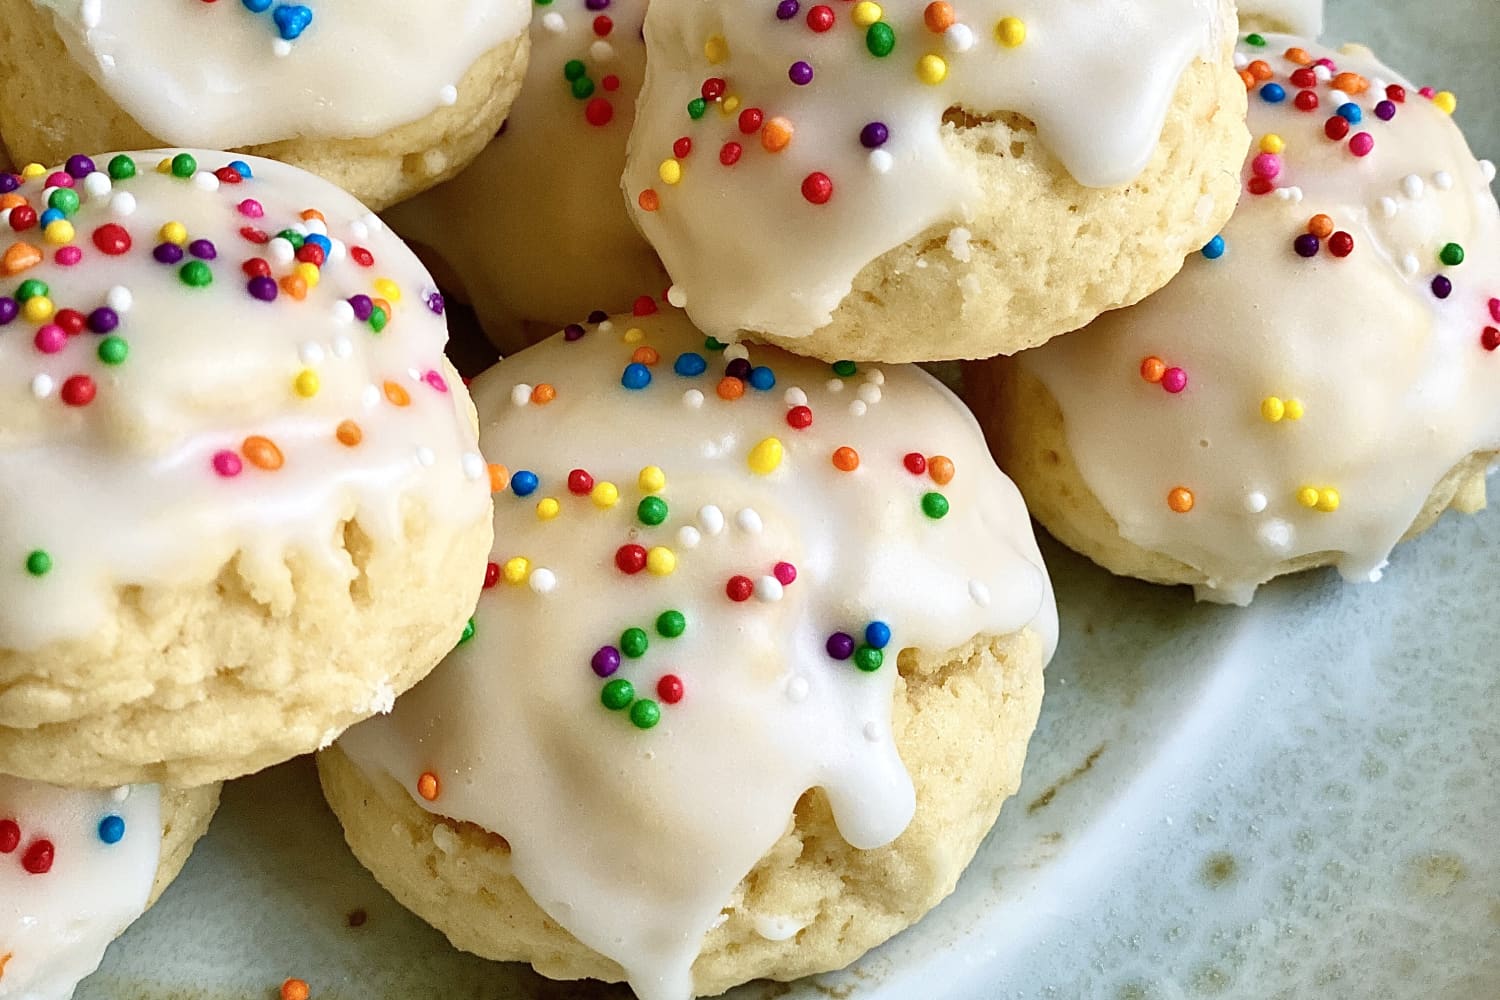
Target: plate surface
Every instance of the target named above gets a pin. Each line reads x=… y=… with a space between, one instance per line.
x=1297 y=800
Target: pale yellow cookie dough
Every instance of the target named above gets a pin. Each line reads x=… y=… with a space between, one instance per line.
x=962 y=722
x=185 y=815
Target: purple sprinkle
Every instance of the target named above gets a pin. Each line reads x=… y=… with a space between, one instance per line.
x=8 y=182
x=801 y=73
x=874 y=135
x=739 y=368
x=363 y=307
x=606 y=661
x=840 y=645
x=436 y=303
x=1385 y=111
x=597 y=4
x=787 y=9
x=573 y=332
x=203 y=249
x=79 y=166
x=103 y=320
x=1442 y=287
x=1306 y=245
x=167 y=253
x=598 y=316
x=262 y=288
x=9 y=309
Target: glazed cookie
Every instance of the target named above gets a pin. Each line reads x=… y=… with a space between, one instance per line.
x=77 y=868
x=536 y=230
x=1300 y=17
x=385 y=98
x=1318 y=384
x=917 y=184
x=781 y=627
x=241 y=500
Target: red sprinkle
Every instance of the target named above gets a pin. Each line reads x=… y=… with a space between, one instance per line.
x=739 y=588
x=1341 y=244
x=491 y=575
x=361 y=256
x=10 y=836
x=38 y=858
x=817 y=187
x=915 y=462
x=79 y=391
x=630 y=559
x=599 y=112
x=751 y=120
x=669 y=689
x=580 y=483
x=800 y=417
x=112 y=239
x=729 y=153
x=1490 y=338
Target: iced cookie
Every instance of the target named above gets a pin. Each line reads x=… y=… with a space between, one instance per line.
x=242 y=504
x=1318 y=384
x=536 y=231
x=1299 y=17
x=384 y=98
x=77 y=868
x=917 y=183
x=759 y=662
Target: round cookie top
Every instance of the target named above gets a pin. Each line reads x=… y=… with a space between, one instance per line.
x=202 y=356
x=1308 y=379
x=76 y=869
x=780 y=148
x=244 y=72
x=537 y=227
x=707 y=564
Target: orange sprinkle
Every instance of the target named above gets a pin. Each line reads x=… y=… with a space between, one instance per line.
x=428 y=787
x=776 y=134
x=1351 y=83
x=845 y=459
x=731 y=387
x=1180 y=499
x=312 y=213
x=11 y=200
x=940 y=468
x=938 y=17
x=1248 y=78
x=1298 y=56
x=1320 y=226
x=349 y=434
x=1153 y=369
x=543 y=394
x=397 y=394
x=649 y=200
x=262 y=453
x=295 y=989
x=384 y=307
x=499 y=477
x=295 y=286
x=645 y=356
x=4 y=961
x=1260 y=69
x=19 y=257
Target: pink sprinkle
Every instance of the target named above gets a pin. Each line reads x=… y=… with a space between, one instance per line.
x=1174 y=380
x=1495 y=310
x=1361 y=143
x=227 y=464
x=51 y=338
x=1427 y=92
x=785 y=572
x=1267 y=165
x=436 y=380
x=68 y=256
x=1327 y=62
x=59 y=180
x=251 y=209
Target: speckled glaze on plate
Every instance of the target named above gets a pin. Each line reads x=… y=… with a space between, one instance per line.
x=1296 y=800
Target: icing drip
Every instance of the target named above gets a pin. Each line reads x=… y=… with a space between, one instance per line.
x=813 y=154
x=218 y=389
x=76 y=869
x=536 y=227
x=1301 y=17
x=776 y=535
x=1310 y=379
x=214 y=75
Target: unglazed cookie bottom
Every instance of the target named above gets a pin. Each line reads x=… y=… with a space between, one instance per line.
x=185 y=815
x=962 y=722
x=1026 y=432
x=51 y=108
x=210 y=680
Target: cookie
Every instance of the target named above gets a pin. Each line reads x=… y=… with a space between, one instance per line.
x=242 y=504
x=535 y=232
x=916 y=184
x=780 y=626
x=78 y=867
x=1318 y=384
x=1297 y=17
x=383 y=98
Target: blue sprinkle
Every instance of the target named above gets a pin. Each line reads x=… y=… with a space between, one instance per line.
x=321 y=242
x=762 y=378
x=257 y=6
x=292 y=20
x=877 y=635
x=524 y=483
x=690 y=365
x=111 y=829
x=48 y=217
x=1273 y=93
x=637 y=376
x=1214 y=248
x=1351 y=113
x=242 y=168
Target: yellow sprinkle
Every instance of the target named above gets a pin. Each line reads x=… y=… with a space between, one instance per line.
x=1272 y=143
x=670 y=171
x=548 y=508
x=1010 y=32
x=652 y=479
x=730 y=104
x=174 y=232
x=32 y=171
x=309 y=273
x=1328 y=500
x=1308 y=497
x=605 y=495
x=716 y=50
x=1272 y=409
x=164 y=166
x=388 y=289
x=1445 y=101
x=59 y=232
x=1294 y=409
x=866 y=13
x=516 y=570
x=307 y=383
x=766 y=457
x=634 y=335
x=661 y=561
x=932 y=69
x=38 y=309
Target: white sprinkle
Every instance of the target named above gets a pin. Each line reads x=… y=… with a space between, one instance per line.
x=1389 y=208
x=426 y=457
x=768 y=588
x=474 y=465
x=90 y=13
x=360 y=228
x=602 y=51
x=1275 y=535
x=749 y=521
x=795 y=397
x=1375 y=575
x=413 y=374
x=870 y=393
x=1410 y=265
x=310 y=353
x=370 y=397
x=735 y=352
x=343 y=314
x=342 y=346
x=448 y=96
x=337 y=250
x=777 y=928
x=122 y=204
x=203 y=180
x=1295 y=194
x=554 y=22
x=1255 y=502
x=107 y=63
x=872 y=732
x=1412 y=186
x=1282 y=194
x=958 y=244
x=371 y=222
x=605 y=325
x=693 y=398
x=1442 y=180
x=979 y=592
x=281 y=48
x=835 y=385
x=543 y=580
x=875 y=376
x=47 y=194
x=280 y=250
x=1241 y=60
x=858 y=408
x=1487 y=170
x=796 y=689
x=520 y=395
x=120 y=794
x=880 y=161
x=317 y=226
x=1337 y=98
x=959 y=38
x=97 y=184
x=676 y=296
x=688 y=537
x=120 y=299
x=42 y=386
x=444 y=839
x=5 y=216
x=711 y=519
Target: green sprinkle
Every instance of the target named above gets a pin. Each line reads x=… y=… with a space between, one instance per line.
x=714 y=344
x=574 y=69
x=843 y=369
x=65 y=200
x=39 y=563
x=196 y=274
x=671 y=624
x=1258 y=40
x=378 y=319
x=645 y=713
x=617 y=694
x=30 y=289
x=869 y=659
x=633 y=643
x=113 y=350
x=293 y=237
x=583 y=88
x=468 y=632
x=184 y=165
x=1452 y=254
x=652 y=511
x=696 y=108
x=935 y=505
x=880 y=39
x=121 y=168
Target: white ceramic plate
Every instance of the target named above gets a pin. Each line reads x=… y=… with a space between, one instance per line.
x=1298 y=800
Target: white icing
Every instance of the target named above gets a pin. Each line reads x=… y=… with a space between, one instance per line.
x=201 y=74
x=752 y=253
x=633 y=840
x=123 y=491
x=1394 y=381
x=536 y=228
x=55 y=925
x=1301 y=17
